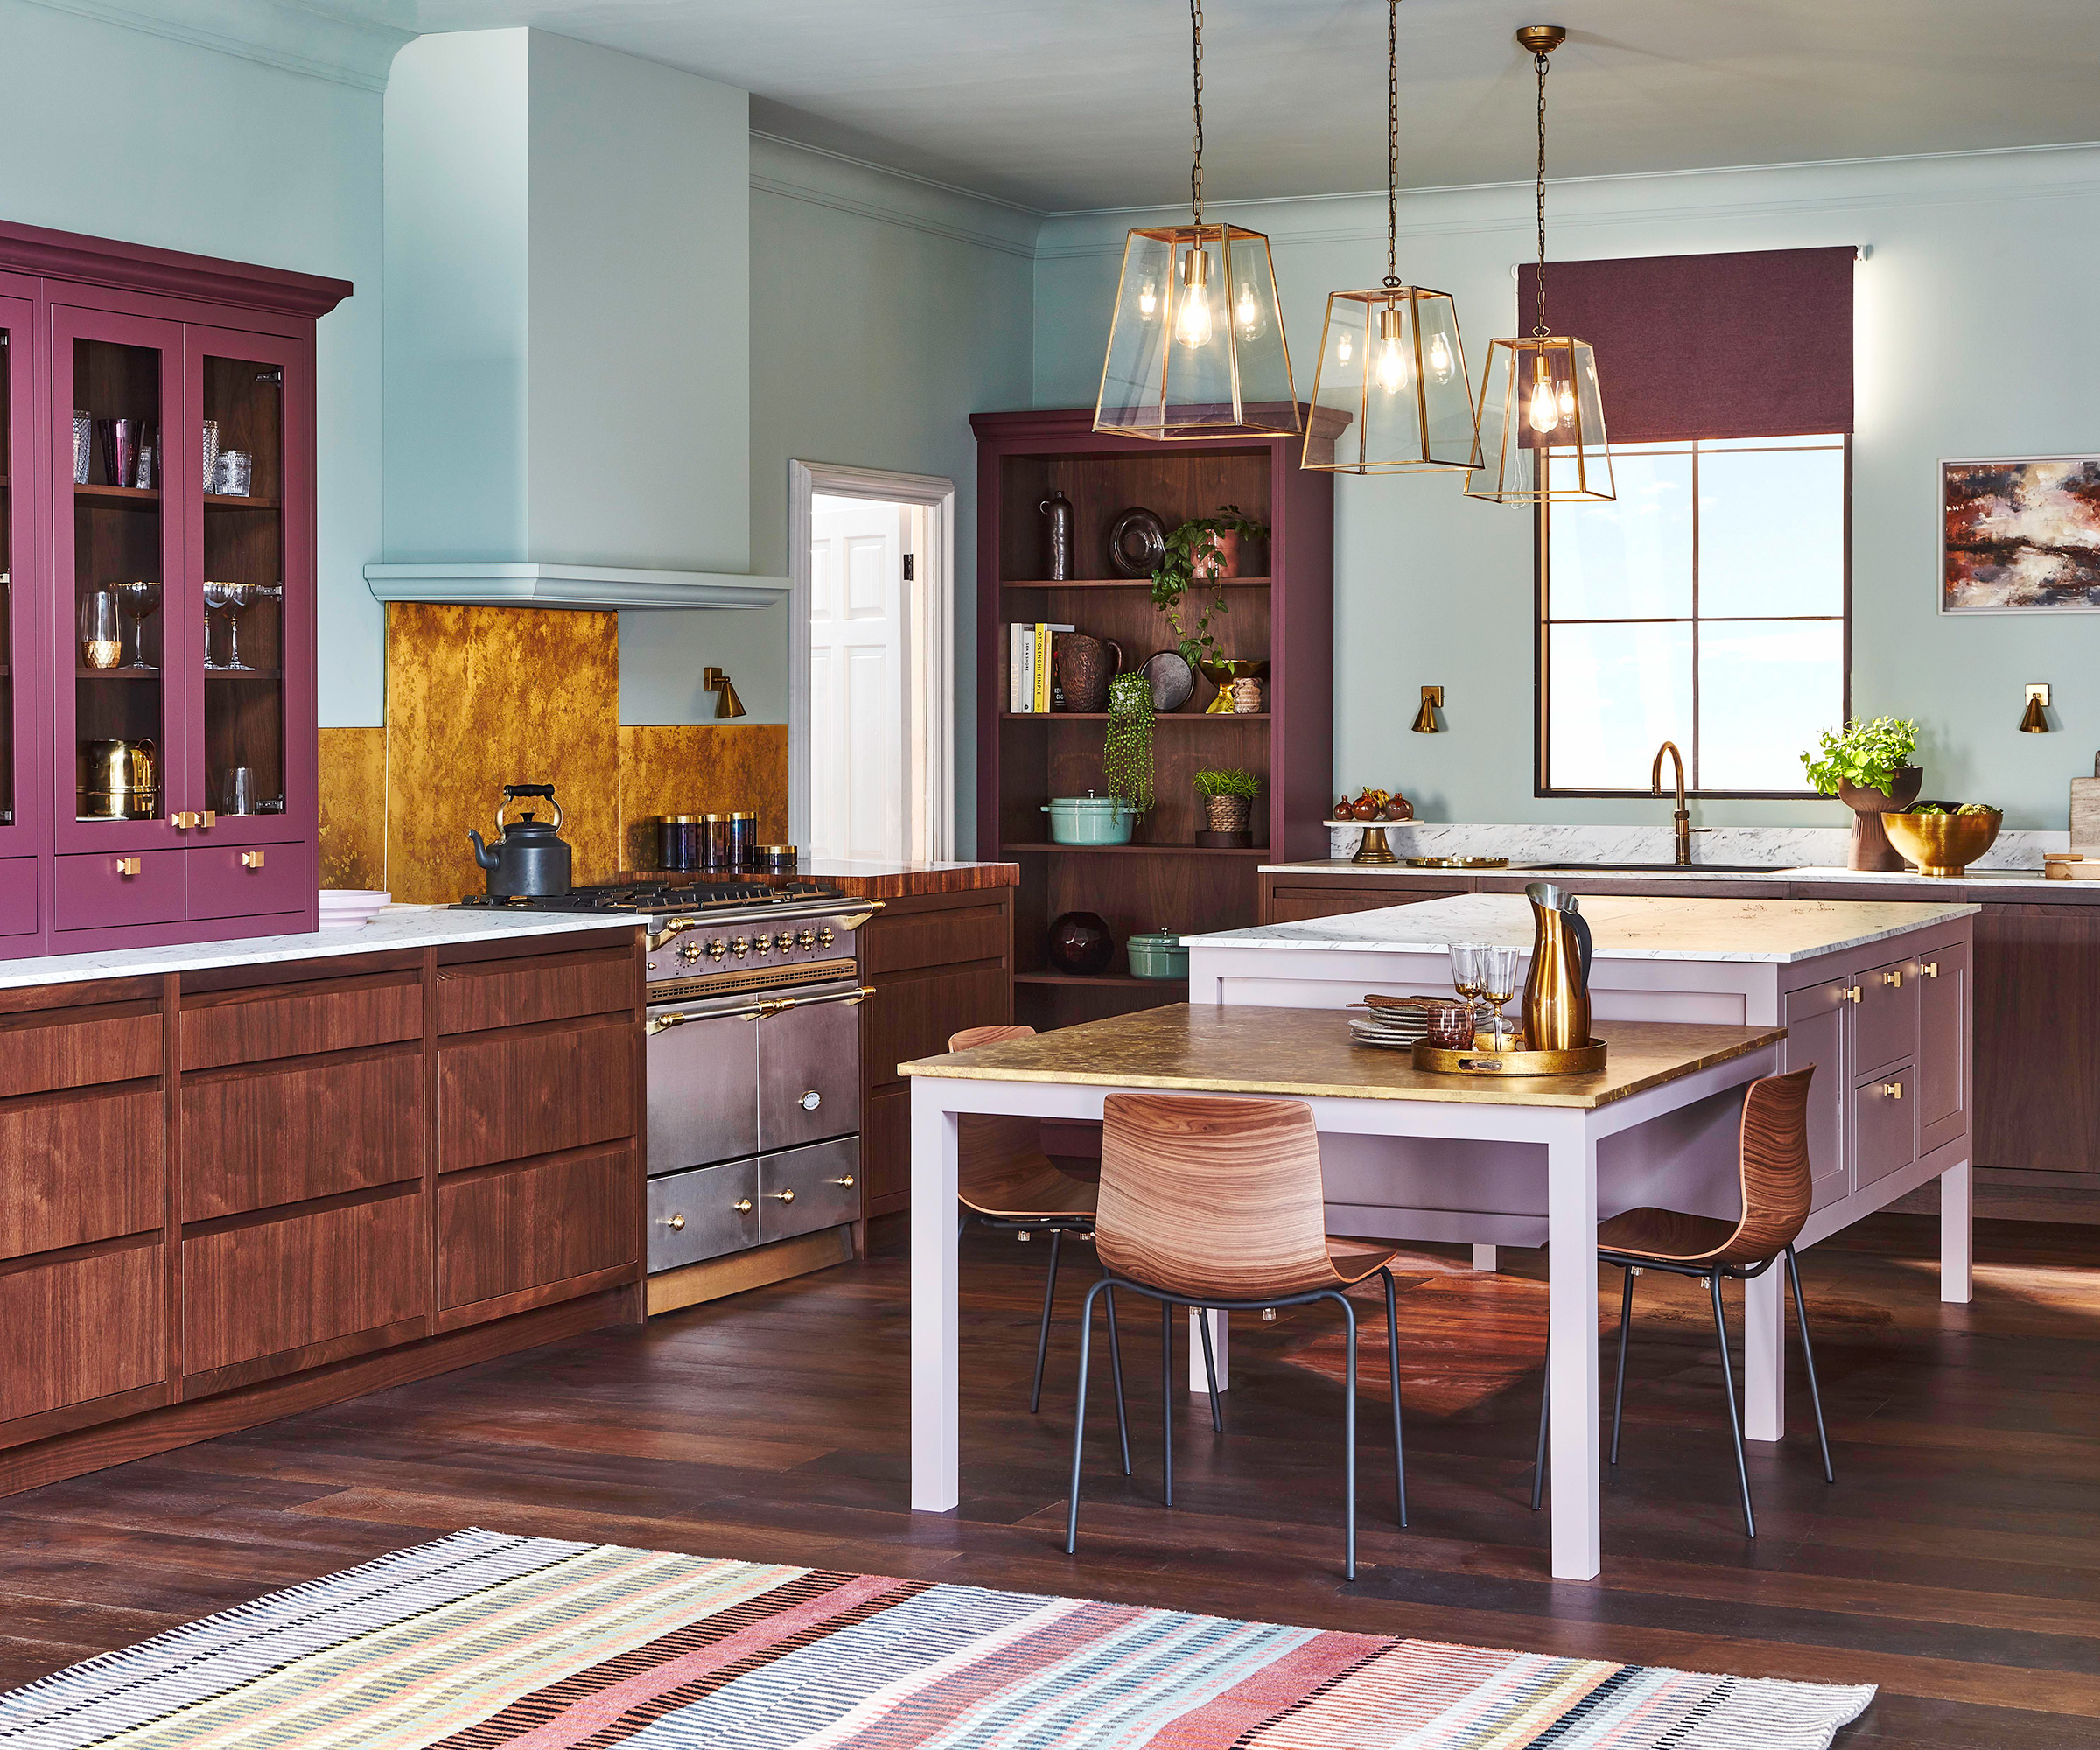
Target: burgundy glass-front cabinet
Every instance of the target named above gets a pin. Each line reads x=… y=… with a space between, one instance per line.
x=157 y=595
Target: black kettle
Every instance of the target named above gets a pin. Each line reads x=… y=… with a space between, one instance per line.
x=527 y=860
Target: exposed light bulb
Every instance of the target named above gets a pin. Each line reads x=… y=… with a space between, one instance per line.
x=1440 y=361
x=1343 y=350
x=1392 y=366
x=1545 y=410
x=1248 y=310
x=1148 y=300
x=1193 y=325
x=1567 y=399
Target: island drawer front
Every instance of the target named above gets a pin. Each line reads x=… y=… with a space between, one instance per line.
x=508 y=1095
x=246 y=1027
x=17 y=895
x=40 y=1053
x=1885 y=1023
x=513 y=1229
x=1943 y=1070
x=255 y=1137
x=92 y=889
x=803 y=1189
x=1815 y=1035
x=240 y=881
x=703 y=1213
x=82 y=1328
x=1297 y=905
x=508 y=993
x=1884 y=1109
x=86 y=1168
x=270 y=1287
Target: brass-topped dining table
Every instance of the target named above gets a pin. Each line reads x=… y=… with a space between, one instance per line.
x=1667 y=1088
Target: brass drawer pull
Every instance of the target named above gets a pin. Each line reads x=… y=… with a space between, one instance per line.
x=742 y=1206
x=784 y=1196
x=847 y=1181
x=1852 y=993
x=251 y=859
x=1893 y=1089
x=129 y=866
x=1894 y=980
x=1930 y=968
x=676 y=1224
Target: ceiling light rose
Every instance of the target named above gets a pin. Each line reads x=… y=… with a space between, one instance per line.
x=1196 y=349
x=1541 y=422
x=1391 y=359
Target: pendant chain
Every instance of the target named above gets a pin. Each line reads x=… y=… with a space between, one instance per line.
x=1539 y=328
x=1392 y=143
x=1195 y=173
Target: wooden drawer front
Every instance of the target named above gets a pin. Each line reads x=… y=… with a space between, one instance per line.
x=17 y=895
x=252 y=1138
x=1297 y=905
x=807 y=1188
x=1943 y=1057
x=294 y=1021
x=81 y=1329
x=79 y=1170
x=92 y=891
x=1882 y=1124
x=40 y=1053
x=277 y=1286
x=246 y=881
x=885 y=1151
x=546 y=988
x=912 y=1017
x=511 y=1095
x=1885 y=1022
x=511 y=1230
x=703 y=1213
x=1814 y=1035
x=940 y=937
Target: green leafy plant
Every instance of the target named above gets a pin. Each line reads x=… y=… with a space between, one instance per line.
x=1965 y=808
x=1192 y=545
x=1126 y=756
x=1865 y=755
x=1233 y=782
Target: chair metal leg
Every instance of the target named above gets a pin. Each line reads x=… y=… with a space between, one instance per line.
x=1735 y=1423
x=1122 y=1427
x=1167 y=1403
x=1349 y=1436
x=1042 y=1335
x=1079 y=1420
x=1392 y=1362
x=1625 y=1319
x=1545 y=1410
x=1808 y=1354
x=1210 y=1370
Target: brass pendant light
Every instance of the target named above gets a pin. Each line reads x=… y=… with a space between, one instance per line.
x=1196 y=348
x=1390 y=360
x=1542 y=417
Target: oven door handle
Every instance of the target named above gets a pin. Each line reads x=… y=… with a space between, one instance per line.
x=678 y=1017
x=781 y=1005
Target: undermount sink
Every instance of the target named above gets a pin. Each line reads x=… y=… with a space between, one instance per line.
x=1667 y=868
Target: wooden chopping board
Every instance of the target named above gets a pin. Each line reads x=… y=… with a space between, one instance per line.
x=2085 y=814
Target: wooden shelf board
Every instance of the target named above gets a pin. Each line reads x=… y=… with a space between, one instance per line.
x=244 y=674
x=1130 y=850
x=233 y=501
x=124 y=671
x=1111 y=979
x=1164 y=716
x=1121 y=582
x=132 y=495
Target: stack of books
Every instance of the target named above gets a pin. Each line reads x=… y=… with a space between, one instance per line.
x=1028 y=683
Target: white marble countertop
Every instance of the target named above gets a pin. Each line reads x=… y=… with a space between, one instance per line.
x=1575 y=877
x=1622 y=927
x=397 y=927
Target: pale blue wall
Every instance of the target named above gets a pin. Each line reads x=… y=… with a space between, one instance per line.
x=120 y=133
x=1973 y=318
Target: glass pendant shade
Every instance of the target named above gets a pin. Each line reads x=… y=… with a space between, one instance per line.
x=1541 y=424
x=1391 y=362
x=1196 y=349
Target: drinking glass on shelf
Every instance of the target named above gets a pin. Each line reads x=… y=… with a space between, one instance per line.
x=140 y=601
x=102 y=630
x=83 y=444
x=235 y=473
x=238 y=792
x=216 y=596
x=240 y=596
x=209 y=444
x=1496 y=968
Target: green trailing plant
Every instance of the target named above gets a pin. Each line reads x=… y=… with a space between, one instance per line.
x=1865 y=755
x=1188 y=547
x=1126 y=756
x=1233 y=782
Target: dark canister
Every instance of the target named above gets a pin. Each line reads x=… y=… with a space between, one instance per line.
x=716 y=851
x=777 y=859
x=744 y=840
x=678 y=842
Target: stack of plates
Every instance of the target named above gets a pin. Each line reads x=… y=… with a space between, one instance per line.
x=1396 y=1028
x=350 y=907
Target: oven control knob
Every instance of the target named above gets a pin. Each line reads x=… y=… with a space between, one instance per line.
x=810 y=1101
x=824 y=936
x=690 y=950
x=739 y=944
x=761 y=942
x=805 y=938
x=784 y=940
x=717 y=948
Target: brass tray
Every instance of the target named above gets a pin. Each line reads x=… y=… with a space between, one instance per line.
x=1458 y=863
x=1480 y=1061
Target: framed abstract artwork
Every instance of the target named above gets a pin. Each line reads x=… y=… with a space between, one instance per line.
x=2020 y=536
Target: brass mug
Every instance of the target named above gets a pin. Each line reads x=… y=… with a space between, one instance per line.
x=119 y=781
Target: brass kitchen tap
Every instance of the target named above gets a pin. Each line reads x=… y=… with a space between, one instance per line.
x=1682 y=819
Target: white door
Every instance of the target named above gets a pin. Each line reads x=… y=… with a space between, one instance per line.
x=859 y=690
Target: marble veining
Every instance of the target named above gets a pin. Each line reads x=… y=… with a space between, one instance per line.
x=1797 y=850
x=397 y=927
x=1622 y=927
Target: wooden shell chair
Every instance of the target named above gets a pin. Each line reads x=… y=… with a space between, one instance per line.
x=1775 y=1189
x=1208 y=1201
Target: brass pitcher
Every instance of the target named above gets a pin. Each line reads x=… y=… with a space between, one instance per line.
x=1556 y=994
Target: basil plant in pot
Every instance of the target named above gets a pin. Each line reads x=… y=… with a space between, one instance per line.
x=1867 y=766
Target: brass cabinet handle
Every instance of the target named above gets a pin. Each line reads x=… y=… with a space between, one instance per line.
x=847 y=1181
x=1930 y=968
x=742 y=1206
x=810 y=1100
x=251 y=859
x=1893 y=1089
x=129 y=866
x=182 y=820
x=1894 y=980
x=675 y=1223
x=205 y=820
x=784 y=1196
x=1850 y=993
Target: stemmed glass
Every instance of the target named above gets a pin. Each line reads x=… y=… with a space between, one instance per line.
x=239 y=596
x=140 y=602
x=1496 y=970
x=215 y=595
x=1466 y=972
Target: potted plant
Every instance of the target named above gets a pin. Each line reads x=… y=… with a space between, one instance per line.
x=1205 y=548
x=1228 y=807
x=1867 y=766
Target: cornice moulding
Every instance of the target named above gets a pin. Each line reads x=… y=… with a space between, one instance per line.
x=528 y=584
x=292 y=38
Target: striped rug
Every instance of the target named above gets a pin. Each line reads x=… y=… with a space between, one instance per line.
x=481 y=1640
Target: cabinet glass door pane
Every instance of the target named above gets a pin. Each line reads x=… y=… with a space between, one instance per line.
x=8 y=744
x=242 y=473
x=119 y=697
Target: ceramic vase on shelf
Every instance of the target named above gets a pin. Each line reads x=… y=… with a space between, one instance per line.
x=1870 y=850
x=1083 y=667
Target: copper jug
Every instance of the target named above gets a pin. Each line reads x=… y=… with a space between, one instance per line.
x=1556 y=994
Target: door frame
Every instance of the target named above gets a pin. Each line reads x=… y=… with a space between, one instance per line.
x=937 y=496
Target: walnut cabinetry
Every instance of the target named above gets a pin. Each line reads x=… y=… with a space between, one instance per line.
x=215 y=1185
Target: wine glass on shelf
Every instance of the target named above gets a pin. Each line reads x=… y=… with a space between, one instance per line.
x=238 y=596
x=1466 y=972
x=216 y=596
x=140 y=602
x=1497 y=970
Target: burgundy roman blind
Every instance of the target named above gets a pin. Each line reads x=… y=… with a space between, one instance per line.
x=1751 y=345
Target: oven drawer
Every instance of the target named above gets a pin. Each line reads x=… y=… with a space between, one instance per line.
x=703 y=1213
x=803 y=1189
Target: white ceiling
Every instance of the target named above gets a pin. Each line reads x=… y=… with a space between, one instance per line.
x=1064 y=104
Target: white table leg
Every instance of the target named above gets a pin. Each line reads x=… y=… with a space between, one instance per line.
x=1483 y=1257
x=1765 y=1355
x=1220 y=1325
x=1571 y=1317
x=936 y=1282
x=1958 y=1233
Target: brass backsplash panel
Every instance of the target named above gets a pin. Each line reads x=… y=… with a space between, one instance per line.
x=353 y=808
x=682 y=768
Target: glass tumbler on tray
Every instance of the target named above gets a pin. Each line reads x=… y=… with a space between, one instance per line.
x=1495 y=969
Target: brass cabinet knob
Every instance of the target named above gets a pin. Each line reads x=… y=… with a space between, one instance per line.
x=784 y=1196
x=251 y=859
x=127 y=866
x=1930 y=968
x=810 y=1100
x=206 y=819
x=182 y=820
x=1893 y=1089
x=675 y=1223
x=1852 y=993
x=1894 y=980
x=742 y=1206
x=847 y=1181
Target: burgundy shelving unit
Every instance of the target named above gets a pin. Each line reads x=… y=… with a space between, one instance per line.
x=1163 y=879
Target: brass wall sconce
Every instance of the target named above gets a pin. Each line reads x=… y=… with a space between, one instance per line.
x=1425 y=720
x=2033 y=721
x=727 y=704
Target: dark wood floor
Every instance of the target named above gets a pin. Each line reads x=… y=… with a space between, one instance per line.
x=1957 y=1564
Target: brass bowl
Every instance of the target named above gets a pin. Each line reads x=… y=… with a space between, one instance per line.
x=1943 y=844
